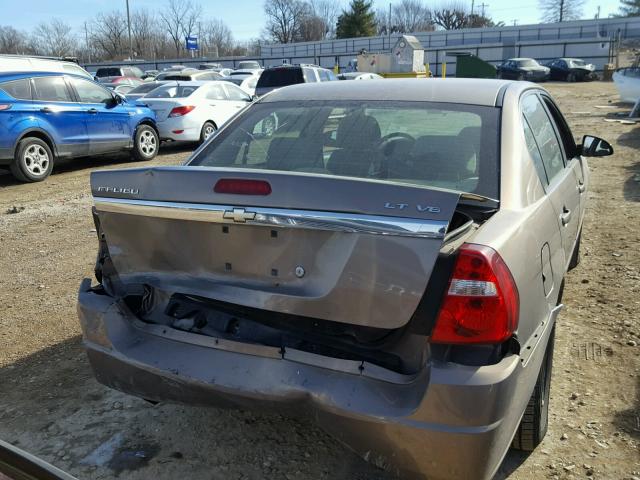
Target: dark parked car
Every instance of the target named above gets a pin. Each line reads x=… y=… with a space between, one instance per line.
x=283 y=75
x=45 y=116
x=571 y=70
x=389 y=260
x=523 y=69
x=119 y=72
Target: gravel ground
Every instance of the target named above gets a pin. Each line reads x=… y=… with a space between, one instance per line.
x=50 y=404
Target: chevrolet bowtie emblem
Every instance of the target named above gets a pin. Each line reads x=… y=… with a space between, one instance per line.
x=239 y=215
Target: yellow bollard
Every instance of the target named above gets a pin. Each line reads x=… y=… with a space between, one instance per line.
x=444 y=69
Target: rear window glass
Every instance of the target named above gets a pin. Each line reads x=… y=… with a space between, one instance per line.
x=145 y=88
x=173 y=91
x=19 y=89
x=420 y=143
x=280 y=77
x=108 y=72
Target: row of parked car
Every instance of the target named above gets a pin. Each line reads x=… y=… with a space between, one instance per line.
x=68 y=112
x=565 y=69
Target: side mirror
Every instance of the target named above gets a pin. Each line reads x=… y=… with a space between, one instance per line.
x=595 y=147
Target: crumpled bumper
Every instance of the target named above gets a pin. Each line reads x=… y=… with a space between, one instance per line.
x=447 y=422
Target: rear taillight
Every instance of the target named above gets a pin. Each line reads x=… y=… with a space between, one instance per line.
x=5 y=106
x=180 y=111
x=481 y=304
x=241 y=186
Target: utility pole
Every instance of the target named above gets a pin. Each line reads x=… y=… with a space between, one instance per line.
x=482 y=7
x=129 y=27
x=561 y=10
x=389 y=27
x=598 y=14
x=472 y=2
x=86 y=41
x=515 y=22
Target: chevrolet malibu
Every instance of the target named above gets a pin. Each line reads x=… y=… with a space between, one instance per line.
x=389 y=260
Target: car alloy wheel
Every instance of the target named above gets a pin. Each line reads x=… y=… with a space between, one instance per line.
x=209 y=130
x=36 y=160
x=147 y=143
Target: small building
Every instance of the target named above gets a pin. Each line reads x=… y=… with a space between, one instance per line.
x=406 y=57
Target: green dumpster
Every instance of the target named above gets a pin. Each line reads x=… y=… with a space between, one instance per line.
x=470 y=66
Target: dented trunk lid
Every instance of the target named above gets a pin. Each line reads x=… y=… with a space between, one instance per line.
x=318 y=246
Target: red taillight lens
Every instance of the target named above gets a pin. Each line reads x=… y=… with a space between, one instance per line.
x=240 y=186
x=481 y=304
x=5 y=106
x=180 y=111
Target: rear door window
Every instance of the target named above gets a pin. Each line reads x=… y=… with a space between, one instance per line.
x=18 y=89
x=309 y=75
x=216 y=92
x=544 y=134
x=51 y=89
x=236 y=94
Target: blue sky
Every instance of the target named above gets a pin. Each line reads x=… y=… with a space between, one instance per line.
x=245 y=17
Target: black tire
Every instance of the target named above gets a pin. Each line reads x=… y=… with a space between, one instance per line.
x=146 y=143
x=534 y=423
x=33 y=160
x=208 y=129
x=575 y=256
x=571 y=77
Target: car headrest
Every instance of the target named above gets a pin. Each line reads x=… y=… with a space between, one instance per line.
x=358 y=131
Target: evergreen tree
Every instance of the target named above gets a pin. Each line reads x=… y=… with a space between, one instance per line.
x=629 y=8
x=357 y=21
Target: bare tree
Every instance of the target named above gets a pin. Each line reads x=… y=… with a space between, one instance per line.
x=108 y=34
x=216 y=37
x=13 y=41
x=54 y=38
x=327 y=11
x=312 y=28
x=180 y=19
x=561 y=10
x=450 y=16
x=144 y=32
x=283 y=19
x=412 y=16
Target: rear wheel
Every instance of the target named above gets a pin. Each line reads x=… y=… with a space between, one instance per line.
x=33 y=160
x=535 y=420
x=208 y=129
x=571 y=77
x=145 y=143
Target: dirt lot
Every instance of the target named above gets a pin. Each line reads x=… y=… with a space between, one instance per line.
x=51 y=405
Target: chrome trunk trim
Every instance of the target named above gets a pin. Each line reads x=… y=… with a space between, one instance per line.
x=276 y=217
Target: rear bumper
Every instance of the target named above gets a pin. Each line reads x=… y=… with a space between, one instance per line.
x=447 y=422
x=189 y=130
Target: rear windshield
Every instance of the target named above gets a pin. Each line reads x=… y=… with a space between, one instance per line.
x=527 y=63
x=419 y=143
x=108 y=72
x=145 y=88
x=248 y=65
x=173 y=91
x=237 y=81
x=577 y=63
x=280 y=77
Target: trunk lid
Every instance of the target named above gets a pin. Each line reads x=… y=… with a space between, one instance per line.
x=161 y=107
x=332 y=248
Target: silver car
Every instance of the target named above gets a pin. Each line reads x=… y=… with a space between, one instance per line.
x=389 y=260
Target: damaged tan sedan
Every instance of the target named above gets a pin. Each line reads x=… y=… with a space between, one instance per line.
x=386 y=257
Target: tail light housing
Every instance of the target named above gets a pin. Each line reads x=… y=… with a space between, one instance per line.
x=242 y=186
x=482 y=302
x=181 y=110
x=5 y=106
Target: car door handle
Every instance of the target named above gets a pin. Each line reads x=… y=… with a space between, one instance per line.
x=92 y=111
x=46 y=110
x=565 y=217
x=212 y=105
x=581 y=187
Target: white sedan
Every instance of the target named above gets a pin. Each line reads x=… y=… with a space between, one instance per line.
x=193 y=111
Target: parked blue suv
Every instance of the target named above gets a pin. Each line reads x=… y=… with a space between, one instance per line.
x=44 y=116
